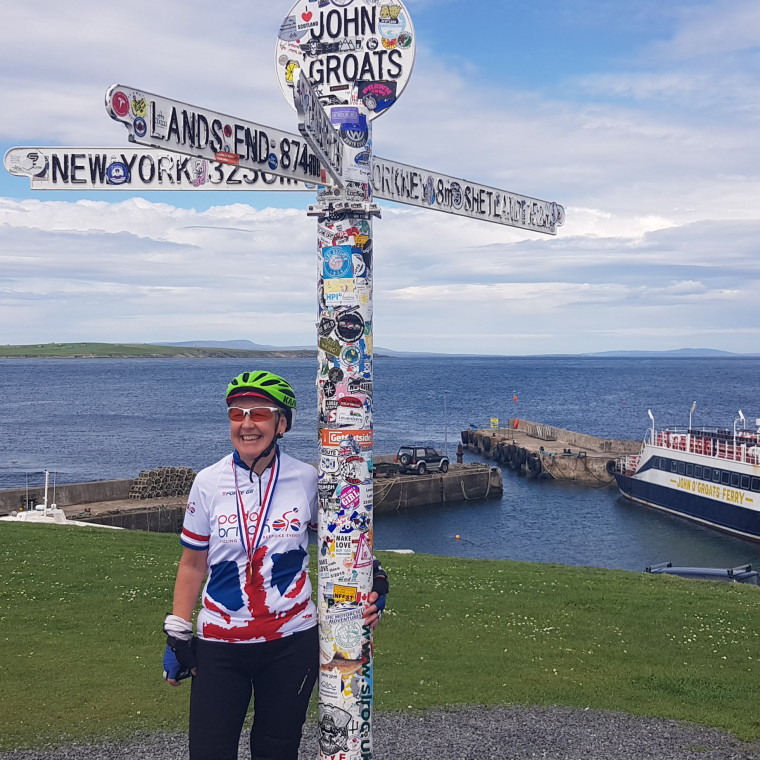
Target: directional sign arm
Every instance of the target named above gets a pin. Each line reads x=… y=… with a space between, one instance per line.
x=136 y=169
x=317 y=129
x=156 y=121
x=393 y=181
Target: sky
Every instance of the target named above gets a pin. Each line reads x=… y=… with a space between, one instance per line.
x=641 y=119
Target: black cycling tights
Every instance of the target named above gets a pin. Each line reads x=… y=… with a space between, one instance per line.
x=280 y=674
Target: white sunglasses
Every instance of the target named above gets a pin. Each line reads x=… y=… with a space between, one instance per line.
x=255 y=414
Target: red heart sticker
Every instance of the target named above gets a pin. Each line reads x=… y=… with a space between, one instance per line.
x=306 y=16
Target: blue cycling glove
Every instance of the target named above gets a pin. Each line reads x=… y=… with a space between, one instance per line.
x=179 y=655
x=172 y=667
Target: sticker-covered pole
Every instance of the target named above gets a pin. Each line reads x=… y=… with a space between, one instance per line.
x=342 y=65
x=344 y=391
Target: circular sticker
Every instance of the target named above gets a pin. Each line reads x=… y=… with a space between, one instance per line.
x=335 y=46
x=120 y=103
x=350 y=326
x=350 y=497
x=26 y=161
x=335 y=374
x=360 y=268
x=117 y=173
x=140 y=127
x=351 y=355
x=456 y=195
x=329 y=389
x=354 y=136
x=347 y=635
x=338 y=262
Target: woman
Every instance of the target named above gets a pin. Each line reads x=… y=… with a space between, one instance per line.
x=245 y=534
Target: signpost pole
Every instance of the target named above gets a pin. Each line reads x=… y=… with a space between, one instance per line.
x=344 y=395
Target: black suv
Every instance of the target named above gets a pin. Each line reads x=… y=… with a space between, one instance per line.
x=420 y=459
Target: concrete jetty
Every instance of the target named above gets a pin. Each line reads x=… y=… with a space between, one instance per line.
x=536 y=450
x=140 y=505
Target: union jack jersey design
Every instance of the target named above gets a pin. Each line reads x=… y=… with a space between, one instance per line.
x=269 y=596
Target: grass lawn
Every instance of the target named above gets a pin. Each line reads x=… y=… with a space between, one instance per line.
x=80 y=632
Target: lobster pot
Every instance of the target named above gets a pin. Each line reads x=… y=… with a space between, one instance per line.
x=162 y=482
x=344 y=390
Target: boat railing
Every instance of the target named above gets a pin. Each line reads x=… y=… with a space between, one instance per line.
x=627 y=464
x=718 y=443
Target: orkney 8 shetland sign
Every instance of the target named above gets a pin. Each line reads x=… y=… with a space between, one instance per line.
x=419 y=187
x=354 y=52
x=153 y=120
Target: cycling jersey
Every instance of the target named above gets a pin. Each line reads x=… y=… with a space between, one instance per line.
x=230 y=516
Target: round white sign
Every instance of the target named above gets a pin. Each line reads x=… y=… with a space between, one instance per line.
x=355 y=52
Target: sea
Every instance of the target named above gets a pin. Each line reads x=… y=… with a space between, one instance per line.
x=103 y=419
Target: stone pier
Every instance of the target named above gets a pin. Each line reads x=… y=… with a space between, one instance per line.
x=537 y=450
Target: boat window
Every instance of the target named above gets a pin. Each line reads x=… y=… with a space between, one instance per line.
x=716 y=476
x=673 y=466
x=756 y=484
x=735 y=479
x=681 y=468
x=698 y=471
x=689 y=469
x=725 y=477
x=745 y=482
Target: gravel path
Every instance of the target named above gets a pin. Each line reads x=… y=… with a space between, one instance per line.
x=473 y=733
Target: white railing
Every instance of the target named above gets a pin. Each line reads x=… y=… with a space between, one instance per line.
x=717 y=444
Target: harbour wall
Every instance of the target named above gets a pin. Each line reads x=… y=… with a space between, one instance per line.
x=472 y=482
x=65 y=495
x=541 y=451
x=137 y=505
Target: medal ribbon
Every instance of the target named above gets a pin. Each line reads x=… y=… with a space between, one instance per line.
x=251 y=544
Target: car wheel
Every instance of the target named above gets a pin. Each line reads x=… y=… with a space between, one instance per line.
x=444 y=466
x=421 y=468
x=405 y=459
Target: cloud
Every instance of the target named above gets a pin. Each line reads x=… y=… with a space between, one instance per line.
x=650 y=153
x=717 y=28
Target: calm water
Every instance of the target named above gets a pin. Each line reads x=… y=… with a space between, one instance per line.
x=104 y=419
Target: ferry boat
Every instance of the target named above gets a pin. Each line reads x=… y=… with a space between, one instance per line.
x=708 y=475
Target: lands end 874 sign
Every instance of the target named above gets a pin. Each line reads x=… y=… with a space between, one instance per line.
x=354 y=52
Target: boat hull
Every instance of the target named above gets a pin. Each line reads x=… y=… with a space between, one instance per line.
x=730 y=518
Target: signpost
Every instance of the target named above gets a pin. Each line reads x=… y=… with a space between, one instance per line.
x=341 y=65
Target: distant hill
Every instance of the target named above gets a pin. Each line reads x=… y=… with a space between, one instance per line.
x=138 y=350
x=247 y=345
x=238 y=345
x=677 y=352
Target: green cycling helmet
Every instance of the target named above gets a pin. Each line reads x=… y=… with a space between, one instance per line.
x=269 y=386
